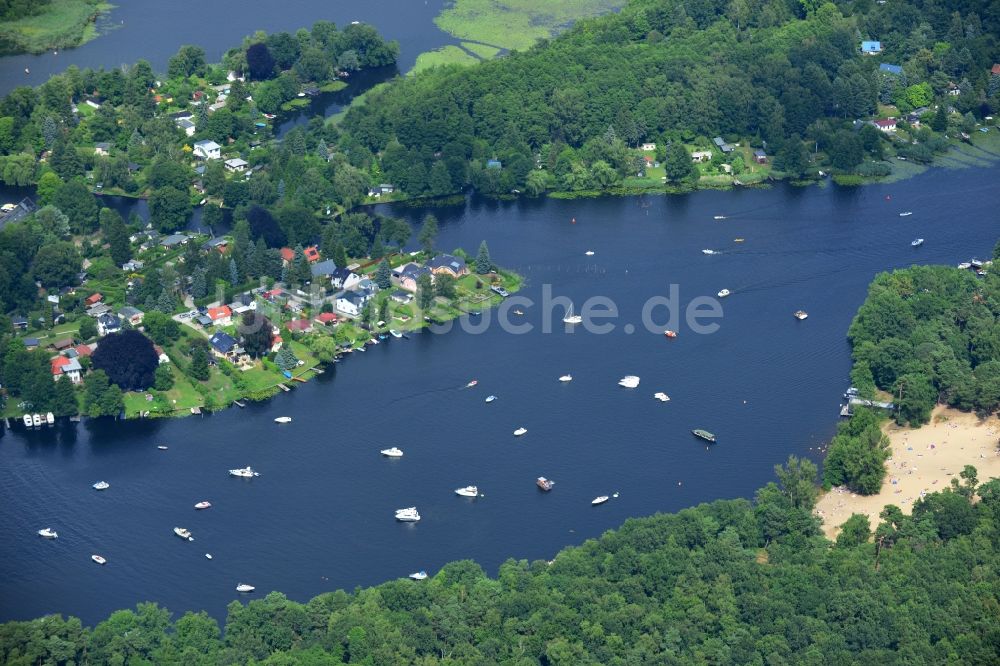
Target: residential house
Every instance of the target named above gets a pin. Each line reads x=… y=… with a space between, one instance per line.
x=759 y=156
x=701 y=156
x=276 y=343
x=953 y=89
x=401 y=297
x=722 y=145
x=367 y=288
x=161 y=356
x=647 y=147
x=66 y=367
x=236 y=165
x=242 y=304
x=890 y=69
x=887 y=125
x=323 y=269
x=311 y=253
x=384 y=188
x=98 y=310
x=20 y=323
x=351 y=304
x=299 y=326
x=31 y=343
x=203 y=320
x=132 y=265
x=408 y=275
x=326 y=319
x=207 y=150
x=871 y=47
x=446 y=264
x=224 y=346
x=220 y=316
x=344 y=278
x=93 y=299
x=219 y=244
x=63 y=344
x=186 y=125
x=108 y=323
x=102 y=148
x=493 y=164
x=132 y=315
x=84 y=350
x=995 y=71
x=173 y=240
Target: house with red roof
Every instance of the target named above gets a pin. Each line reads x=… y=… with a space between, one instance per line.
x=220 y=316
x=66 y=367
x=326 y=319
x=311 y=254
x=996 y=70
x=299 y=326
x=887 y=125
x=276 y=343
x=84 y=350
x=93 y=299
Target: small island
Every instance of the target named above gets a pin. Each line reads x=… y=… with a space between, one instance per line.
x=36 y=26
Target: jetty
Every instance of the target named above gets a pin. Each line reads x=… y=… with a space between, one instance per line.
x=284 y=388
x=196 y=411
x=239 y=404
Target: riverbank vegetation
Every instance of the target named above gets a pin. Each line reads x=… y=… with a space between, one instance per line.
x=732 y=581
x=597 y=107
x=42 y=25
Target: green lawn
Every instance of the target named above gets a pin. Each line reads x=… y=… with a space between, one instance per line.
x=64 y=23
x=446 y=55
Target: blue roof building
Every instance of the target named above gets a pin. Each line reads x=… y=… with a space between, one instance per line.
x=892 y=69
x=871 y=48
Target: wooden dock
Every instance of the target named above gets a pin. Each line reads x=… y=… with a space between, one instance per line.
x=239 y=404
x=284 y=388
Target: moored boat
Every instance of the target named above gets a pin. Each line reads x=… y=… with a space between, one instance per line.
x=394 y=333
x=393 y=452
x=50 y=418
x=661 y=396
x=27 y=420
x=48 y=533
x=599 y=500
x=243 y=472
x=283 y=419
x=704 y=434
x=101 y=485
x=801 y=314
x=36 y=420
x=203 y=505
x=571 y=318
x=408 y=515
x=98 y=559
x=566 y=378
x=244 y=587
x=418 y=575
x=629 y=381
x=468 y=491
x=544 y=484
x=670 y=334
x=520 y=431
x=723 y=293
x=183 y=533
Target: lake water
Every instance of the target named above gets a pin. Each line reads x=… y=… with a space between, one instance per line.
x=154 y=30
x=320 y=515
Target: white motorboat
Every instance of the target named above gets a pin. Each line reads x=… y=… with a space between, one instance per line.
x=183 y=533
x=243 y=472
x=48 y=533
x=709 y=252
x=50 y=418
x=719 y=217
x=801 y=314
x=723 y=293
x=394 y=452
x=394 y=333
x=662 y=397
x=615 y=495
x=203 y=505
x=490 y=398
x=98 y=559
x=629 y=381
x=566 y=378
x=520 y=431
x=965 y=265
x=544 y=484
x=162 y=447
x=571 y=318
x=283 y=419
x=906 y=213
x=101 y=485
x=599 y=500
x=36 y=420
x=27 y=420
x=589 y=253
x=208 y=556
x=418 y=575
x=917 y=242
x=408 y=515
x=243 y=587
x=468 y=491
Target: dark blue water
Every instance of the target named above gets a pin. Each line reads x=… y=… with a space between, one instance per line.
x=320 y=516
x=154 y=30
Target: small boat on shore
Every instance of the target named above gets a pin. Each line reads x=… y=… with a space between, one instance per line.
x=599 y=500
x=468 y=491
x=418 y=575
x=394 y=333
x=965 y=265
x=243 y=472
x=408 y=515
x=566 y=378
x=490 y=398
x=283 y=419
x=629 y=381
x=544 y=484
x=244 y=588
x=393 y=452
x=27 y=420
x=801 y=314
x=48 y=533
x=101 y=485
x=917 y=242
x=183 y=533
x=662 y=397
x=704 y=434
x=723 y=293
x=203 y=505
x=520 y=431
x=670 y=334
x=98 y=559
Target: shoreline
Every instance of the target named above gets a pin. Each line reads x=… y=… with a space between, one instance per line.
x=64 y=25
x=924 y=460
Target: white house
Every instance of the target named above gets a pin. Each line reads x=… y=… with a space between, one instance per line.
x=236 y=165
x=207 y=150
x=701 y=156
x=351 y=304
x=648 y=147
x=186 y=125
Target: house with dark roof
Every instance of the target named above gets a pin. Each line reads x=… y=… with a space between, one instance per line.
x=408 y=275
x=446 y=264
x=351 y=304
x=173 y=240
x=225 y=346
x=401 y=297
x=323 y=269
x=759 y=156
x=722 y=145
x=31 y=343
x=108 y=323
x=132 y=315
x=344 y=278
x=20 y=323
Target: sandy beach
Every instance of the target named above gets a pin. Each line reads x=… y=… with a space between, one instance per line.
x=924 y=460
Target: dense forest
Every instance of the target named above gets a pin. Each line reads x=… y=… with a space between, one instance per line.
x=782 y=74
x=732 y=581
